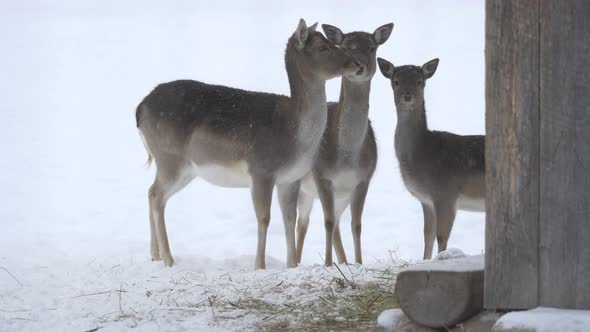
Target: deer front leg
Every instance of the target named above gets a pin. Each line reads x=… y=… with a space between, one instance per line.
x=445 y=217
x=338 y=246
x=429 y=230
x=340 y=205
x=304 y=205
x=324 y=188
x=357 y=205
x=288 y=194
x=262 y=198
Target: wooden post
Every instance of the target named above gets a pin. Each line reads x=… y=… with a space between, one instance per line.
x=565 y=154
x=512 y=159
x=537 y=154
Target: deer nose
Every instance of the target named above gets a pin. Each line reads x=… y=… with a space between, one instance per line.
x=361 y=70
x=407 y=98
x=357 y=63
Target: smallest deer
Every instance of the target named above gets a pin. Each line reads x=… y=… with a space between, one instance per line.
x=444 y=171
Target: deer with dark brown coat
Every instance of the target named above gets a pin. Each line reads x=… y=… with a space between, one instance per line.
x=348 y=152
x=237 y=138
x=444 y=171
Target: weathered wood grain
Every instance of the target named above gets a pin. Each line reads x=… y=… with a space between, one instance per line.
x=565 y=154
x=512 y=154
x=440 y=294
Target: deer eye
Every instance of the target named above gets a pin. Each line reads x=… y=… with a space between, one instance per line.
x=396 y=82
x=324 y=48
x=420 y=82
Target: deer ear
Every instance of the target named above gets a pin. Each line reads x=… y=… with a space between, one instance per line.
x=382 y=33
x=429 y=68
x=386 y=67
x=334 y=35
x=313 y=27
x=301 y=34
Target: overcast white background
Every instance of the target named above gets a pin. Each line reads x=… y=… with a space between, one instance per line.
x=74 y=186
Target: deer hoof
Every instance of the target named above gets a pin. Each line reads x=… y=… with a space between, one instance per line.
x=156 y=256
x=168 y=261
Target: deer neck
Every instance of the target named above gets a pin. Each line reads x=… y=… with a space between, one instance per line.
x=308 y=111
x=411 y=131
x=350 y=121
x=308 y=95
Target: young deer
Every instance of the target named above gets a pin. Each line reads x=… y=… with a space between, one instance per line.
x=237 y=138
x=348 y=152
x=444 y=171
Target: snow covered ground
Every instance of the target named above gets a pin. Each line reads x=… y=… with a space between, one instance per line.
x=74 y=217
x=542 y=319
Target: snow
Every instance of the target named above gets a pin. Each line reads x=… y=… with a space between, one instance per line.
x=74 y=214
x=452 y=264
x=540 y=319
x=394 y=320
x=543 y=319
x=450 y=253
x=391 y=319
x=147 y=296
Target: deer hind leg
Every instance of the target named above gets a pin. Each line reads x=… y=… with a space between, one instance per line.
x=155 y=250
x=445 y=216
x=167 y=184
x=288 y=194
x=357 y=205
x=262 y=198
x=304 y=205
x=324 y=188
x=339 y=208
x=429 y=230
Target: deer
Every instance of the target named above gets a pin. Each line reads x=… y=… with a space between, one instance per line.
x=241 y=139
x=348 y=152
x=444 y=171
